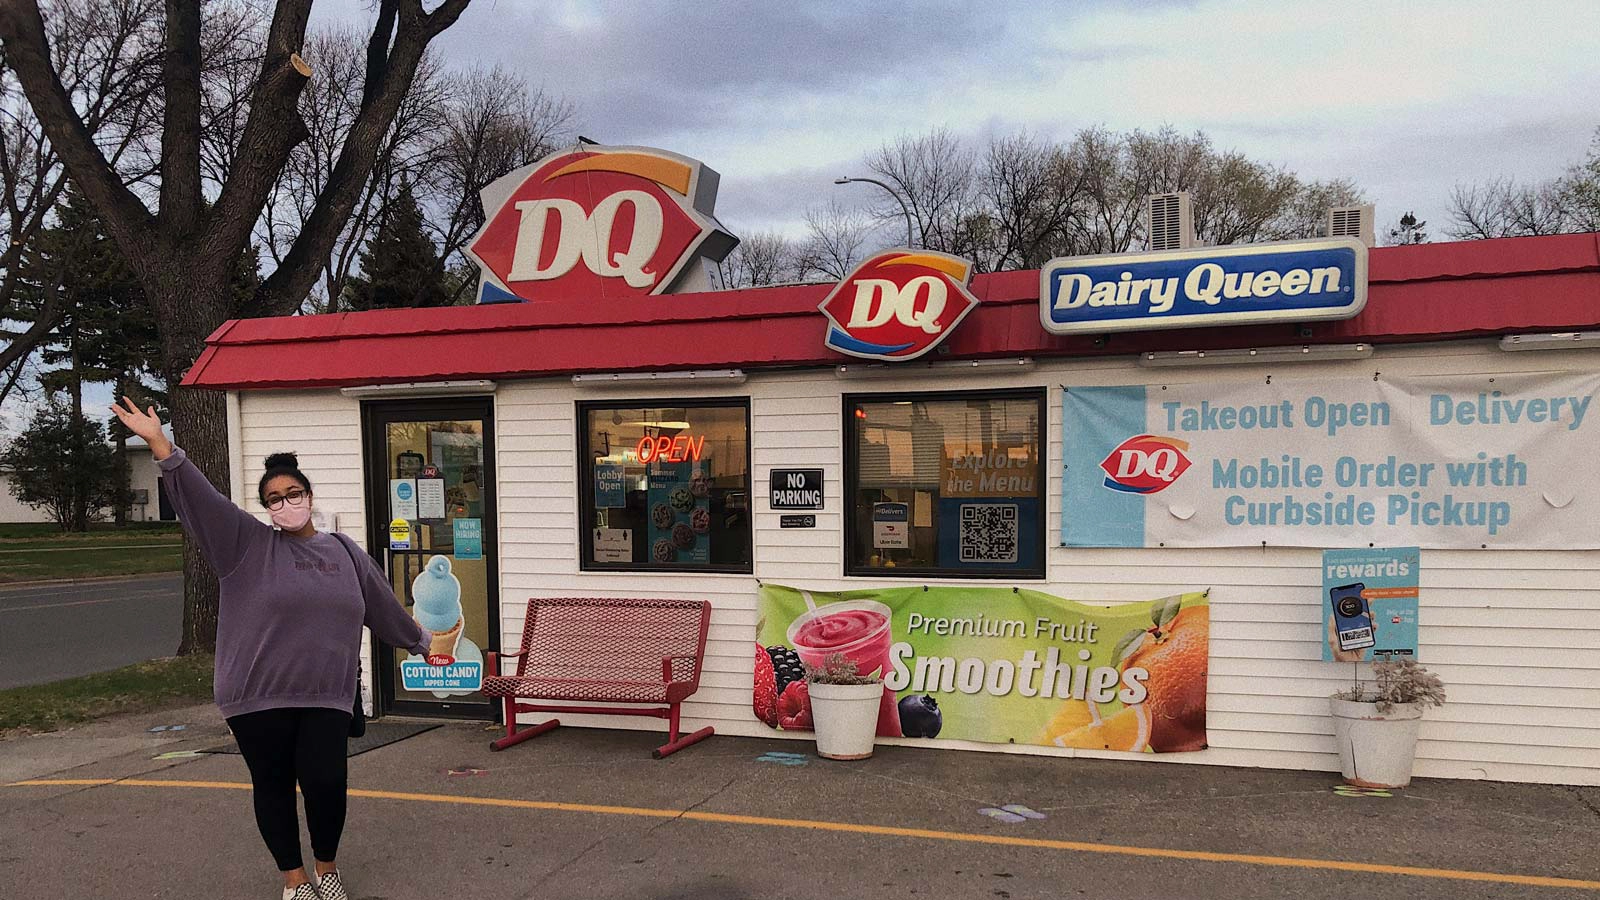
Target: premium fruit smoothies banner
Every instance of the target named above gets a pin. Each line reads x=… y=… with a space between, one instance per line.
x=1460 y=461
x=996 y=664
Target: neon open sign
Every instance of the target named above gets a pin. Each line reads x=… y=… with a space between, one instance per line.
x=672 y=449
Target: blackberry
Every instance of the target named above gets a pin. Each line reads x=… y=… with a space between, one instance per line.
x=786 y=666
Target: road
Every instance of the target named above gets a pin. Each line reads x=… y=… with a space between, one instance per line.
x=55 y=631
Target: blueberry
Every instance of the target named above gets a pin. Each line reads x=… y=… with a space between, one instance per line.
x=920 y=716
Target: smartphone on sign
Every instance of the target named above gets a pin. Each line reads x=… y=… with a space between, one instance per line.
x=1352 y=620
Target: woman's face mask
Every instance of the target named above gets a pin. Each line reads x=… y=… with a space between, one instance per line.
x=292 y=511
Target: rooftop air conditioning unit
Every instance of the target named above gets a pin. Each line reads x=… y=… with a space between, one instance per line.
x=1351 y=221
x=1171 y=221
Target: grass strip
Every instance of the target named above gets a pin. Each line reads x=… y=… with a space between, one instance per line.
x=141 y=687
x=90 y=562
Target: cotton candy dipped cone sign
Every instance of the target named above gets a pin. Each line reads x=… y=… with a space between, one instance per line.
x=898 y=305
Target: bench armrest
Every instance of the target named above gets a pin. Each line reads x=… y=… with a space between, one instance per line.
x=494 y=659
x=666 y=665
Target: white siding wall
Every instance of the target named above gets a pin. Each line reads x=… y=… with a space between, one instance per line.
x=1515 y=635
x=14 y=511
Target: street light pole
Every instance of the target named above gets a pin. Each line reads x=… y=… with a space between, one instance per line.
x=910 y=242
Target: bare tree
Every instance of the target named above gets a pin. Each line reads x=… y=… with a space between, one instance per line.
x=1033 y=189
x=491 y=124
x=936 y=175
x=107 y=55
x=185 y=249
x=762 y=259
x=331 y=108
x=833 y=245
x=1504 y=208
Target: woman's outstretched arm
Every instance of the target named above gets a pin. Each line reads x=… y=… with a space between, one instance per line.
x=222 y=530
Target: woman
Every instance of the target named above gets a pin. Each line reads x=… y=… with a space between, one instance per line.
x=293 y=601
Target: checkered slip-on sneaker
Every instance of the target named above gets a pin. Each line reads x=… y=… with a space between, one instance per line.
x=307 y=891
x=331 y=887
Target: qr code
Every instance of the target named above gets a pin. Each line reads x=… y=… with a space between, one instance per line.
x=989 y=533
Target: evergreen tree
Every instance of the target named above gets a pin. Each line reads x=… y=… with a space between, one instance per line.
x=1407 y=231
x=62 y=463
x=400 y=266
x=106 y=333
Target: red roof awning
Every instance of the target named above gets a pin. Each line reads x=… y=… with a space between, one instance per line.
x=1420 y=293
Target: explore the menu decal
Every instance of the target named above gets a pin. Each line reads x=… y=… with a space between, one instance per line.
x=996 y=664
x=1290 y=281
x=599 y=223
x=1447 y=462
x=898 y=305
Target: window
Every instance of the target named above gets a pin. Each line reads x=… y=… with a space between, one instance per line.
x=665 y=485
x=945 y=484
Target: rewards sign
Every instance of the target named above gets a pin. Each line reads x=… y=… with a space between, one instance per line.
x=898 y=305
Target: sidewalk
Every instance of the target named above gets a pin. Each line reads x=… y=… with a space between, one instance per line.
x=588 y=813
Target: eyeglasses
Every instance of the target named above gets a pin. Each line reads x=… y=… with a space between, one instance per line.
x=295 y=497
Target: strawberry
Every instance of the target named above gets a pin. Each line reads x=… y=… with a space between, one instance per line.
x=794 y=707
x=766 y=690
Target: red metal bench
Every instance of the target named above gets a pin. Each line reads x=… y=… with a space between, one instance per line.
x=604 y=651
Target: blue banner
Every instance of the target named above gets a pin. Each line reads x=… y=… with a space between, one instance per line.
x=1369 y=607
x=1294 y=281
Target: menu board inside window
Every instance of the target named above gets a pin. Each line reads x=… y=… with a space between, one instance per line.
x=946 y=484
x=666 y=486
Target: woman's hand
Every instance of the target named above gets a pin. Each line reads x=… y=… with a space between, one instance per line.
x=144 y=424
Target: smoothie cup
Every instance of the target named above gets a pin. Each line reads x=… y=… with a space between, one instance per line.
x=858 y=629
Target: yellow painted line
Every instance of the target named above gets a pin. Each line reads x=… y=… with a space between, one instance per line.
x=1249 y=859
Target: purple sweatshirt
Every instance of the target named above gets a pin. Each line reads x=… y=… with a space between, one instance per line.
x=290 y=615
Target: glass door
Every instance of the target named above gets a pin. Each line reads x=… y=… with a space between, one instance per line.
x=431 y=501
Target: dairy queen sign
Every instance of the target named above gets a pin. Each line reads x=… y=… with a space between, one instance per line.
x=600 y=222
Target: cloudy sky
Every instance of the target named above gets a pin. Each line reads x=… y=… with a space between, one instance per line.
x=1408 y=99
x=781 y=97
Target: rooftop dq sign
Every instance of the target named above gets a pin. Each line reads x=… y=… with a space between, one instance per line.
x=599 y=222
x=898 y=305
x=1293 y=281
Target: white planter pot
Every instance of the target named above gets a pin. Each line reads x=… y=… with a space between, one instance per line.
x=1375 y=749
x=845 y=717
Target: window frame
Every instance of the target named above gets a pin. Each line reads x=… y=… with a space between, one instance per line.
x=852 y=474
x=586 y=487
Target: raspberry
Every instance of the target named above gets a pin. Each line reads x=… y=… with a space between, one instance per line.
x=766 y=692
x=794 y=707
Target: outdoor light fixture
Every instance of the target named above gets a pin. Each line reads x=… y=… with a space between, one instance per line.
x=420 y=389
x=634 y=379
x=1564 y=340
x=847 y=179
x=952 y=366
x=1244 y=356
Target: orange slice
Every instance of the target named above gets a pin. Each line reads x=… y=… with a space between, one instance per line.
x=1128 y=730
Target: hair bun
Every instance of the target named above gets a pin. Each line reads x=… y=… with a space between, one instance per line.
x=283 y=461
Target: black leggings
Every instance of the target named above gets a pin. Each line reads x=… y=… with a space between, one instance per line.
x=285 y=746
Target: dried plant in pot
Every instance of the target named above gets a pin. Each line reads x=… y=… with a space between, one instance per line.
x=1375 y=725
x=844 y=707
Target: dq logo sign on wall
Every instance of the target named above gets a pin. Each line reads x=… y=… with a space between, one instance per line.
x=898 y=305
x=606 y=222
